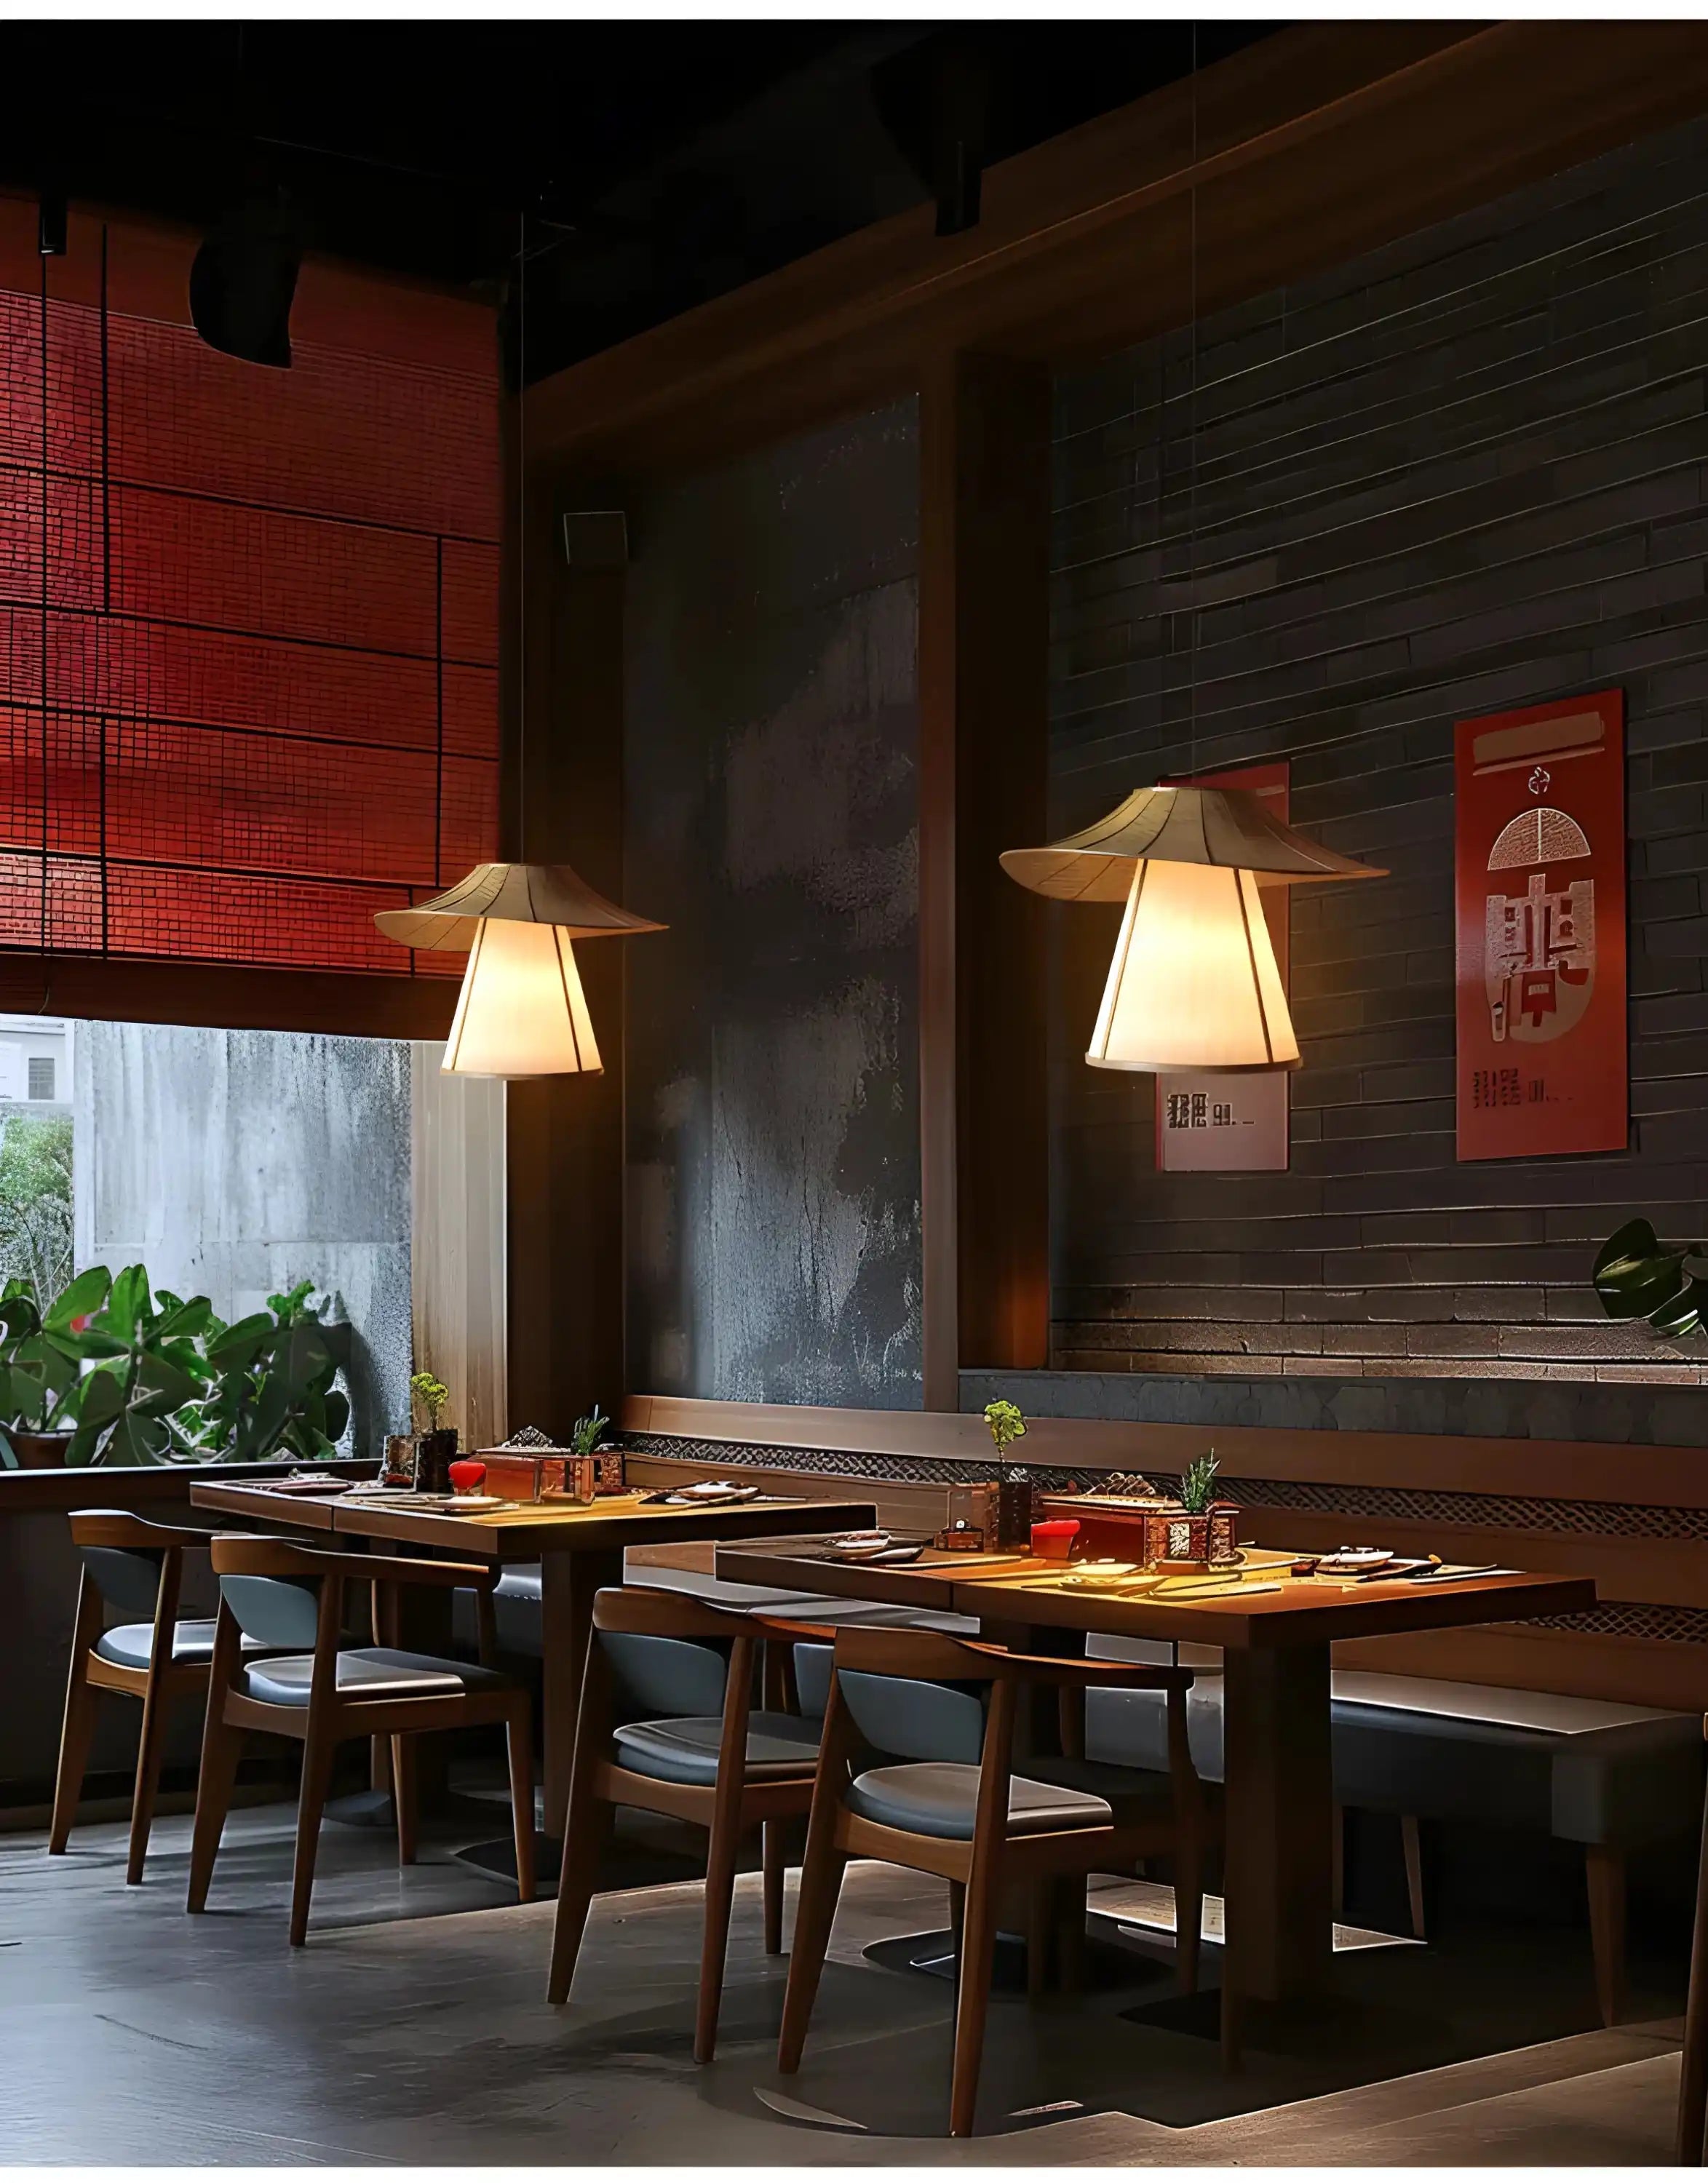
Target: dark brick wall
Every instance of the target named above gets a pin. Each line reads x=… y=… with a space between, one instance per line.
x=1462 y=475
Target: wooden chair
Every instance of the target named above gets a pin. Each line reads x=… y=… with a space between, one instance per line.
x=968 y=1817
x=709 y=1757
x=323 y=1693
x=135 y=1568
x=1692 y=2063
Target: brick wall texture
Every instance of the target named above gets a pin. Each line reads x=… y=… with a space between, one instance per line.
x=1463 y=474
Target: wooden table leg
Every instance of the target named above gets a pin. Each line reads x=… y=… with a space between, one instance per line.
x=568 y=1584
x=1279 y=1884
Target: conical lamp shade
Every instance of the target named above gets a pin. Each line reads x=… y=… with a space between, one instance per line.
x=521 y=1011
x=1194 y=984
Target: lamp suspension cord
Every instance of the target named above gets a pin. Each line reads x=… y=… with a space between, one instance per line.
x=1192 y=435
x=522 y=534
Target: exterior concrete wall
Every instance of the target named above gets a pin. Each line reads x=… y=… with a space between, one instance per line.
x=772 y=1095
x=236 y=1163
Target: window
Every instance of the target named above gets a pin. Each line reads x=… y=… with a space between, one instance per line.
x=40 y=1076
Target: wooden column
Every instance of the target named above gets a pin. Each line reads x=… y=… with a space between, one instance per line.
x=563 y=803
x=983 y=635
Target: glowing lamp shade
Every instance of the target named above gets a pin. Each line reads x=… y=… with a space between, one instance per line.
x=1193 y=983
x=521 y=1011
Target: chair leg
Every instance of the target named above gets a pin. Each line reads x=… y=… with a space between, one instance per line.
x=1605 y=1869
x=79 y=1726
x=585 y=1836
x=317 y=1773
x=406 y=1796
x=774 y=1860
x=1040 y=1906
x=815 y=1910
x=972 y=1999
x=519 y=1739
x=1337 y=1859
x=1188 y=1910
x=149 y=1752
x=1693 y=2075
x=721 y=1887
x=222 y=1747
x=1233 y=2022
x=1412 y=1840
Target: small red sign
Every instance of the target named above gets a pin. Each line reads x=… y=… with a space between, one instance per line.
x=1539 y=864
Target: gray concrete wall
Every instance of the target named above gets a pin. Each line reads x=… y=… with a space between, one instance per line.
x=236 y=1163
x=772 y=799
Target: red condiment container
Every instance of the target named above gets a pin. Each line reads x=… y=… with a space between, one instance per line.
x=467 y=1477
x=1054 y=1541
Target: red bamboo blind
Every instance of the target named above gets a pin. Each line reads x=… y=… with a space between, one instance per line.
x=247 y=618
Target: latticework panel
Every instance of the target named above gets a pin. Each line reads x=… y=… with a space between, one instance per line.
x=247 y=618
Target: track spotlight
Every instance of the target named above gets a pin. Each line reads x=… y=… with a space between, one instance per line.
x=242 y=283
x=53 y=222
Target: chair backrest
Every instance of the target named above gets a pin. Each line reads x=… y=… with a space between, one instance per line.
x=272 y=1587
x=669 y=1652
x=917 y=1696
x=123 y=1554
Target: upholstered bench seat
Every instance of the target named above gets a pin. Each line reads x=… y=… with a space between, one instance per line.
x=941 y=1798
x=781 y=1747
x=1608 y=1776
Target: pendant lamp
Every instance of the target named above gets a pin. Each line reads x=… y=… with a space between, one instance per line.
x=521 y=1011
x=1194 y=984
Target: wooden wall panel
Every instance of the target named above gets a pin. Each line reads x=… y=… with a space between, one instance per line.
x=983 y=629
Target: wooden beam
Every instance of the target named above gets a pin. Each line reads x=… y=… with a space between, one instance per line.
x=226 y=996
x=1313 y=145
x=565 y=1133
x=983 y=638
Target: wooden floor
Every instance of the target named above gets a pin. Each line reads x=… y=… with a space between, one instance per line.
x=414 y=2029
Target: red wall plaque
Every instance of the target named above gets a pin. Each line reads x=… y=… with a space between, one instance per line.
x=1539 y=864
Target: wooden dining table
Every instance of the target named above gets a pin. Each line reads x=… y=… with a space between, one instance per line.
x=580 y=1551
x=1278 y=1865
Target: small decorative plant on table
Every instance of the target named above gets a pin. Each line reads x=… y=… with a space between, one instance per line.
x=589 y=1437
x=582 y=1479
x=1204 y=1534
x=1012 y=1524
x=437 y=1447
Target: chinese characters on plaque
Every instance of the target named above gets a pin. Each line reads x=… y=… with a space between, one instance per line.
x=1210 y=1118
x=1539 y=866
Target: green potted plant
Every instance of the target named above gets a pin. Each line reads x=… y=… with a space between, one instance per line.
x=271 y=1389
x=41 y=1357
x=1638 y=1276
x=136 y=1405
x=1013 y=1524
x=588 y=1437
x=436 y=1448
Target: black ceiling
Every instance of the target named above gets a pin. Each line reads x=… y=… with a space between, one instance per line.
x=656 y=164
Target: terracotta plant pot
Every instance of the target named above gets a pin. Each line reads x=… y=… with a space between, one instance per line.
x=38 y=1451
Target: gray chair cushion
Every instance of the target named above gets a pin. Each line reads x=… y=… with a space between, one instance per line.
x=939 y=1797
x=370 y=1672
x=1132 y=1792
x=781 y=1747
x=130 y=1644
